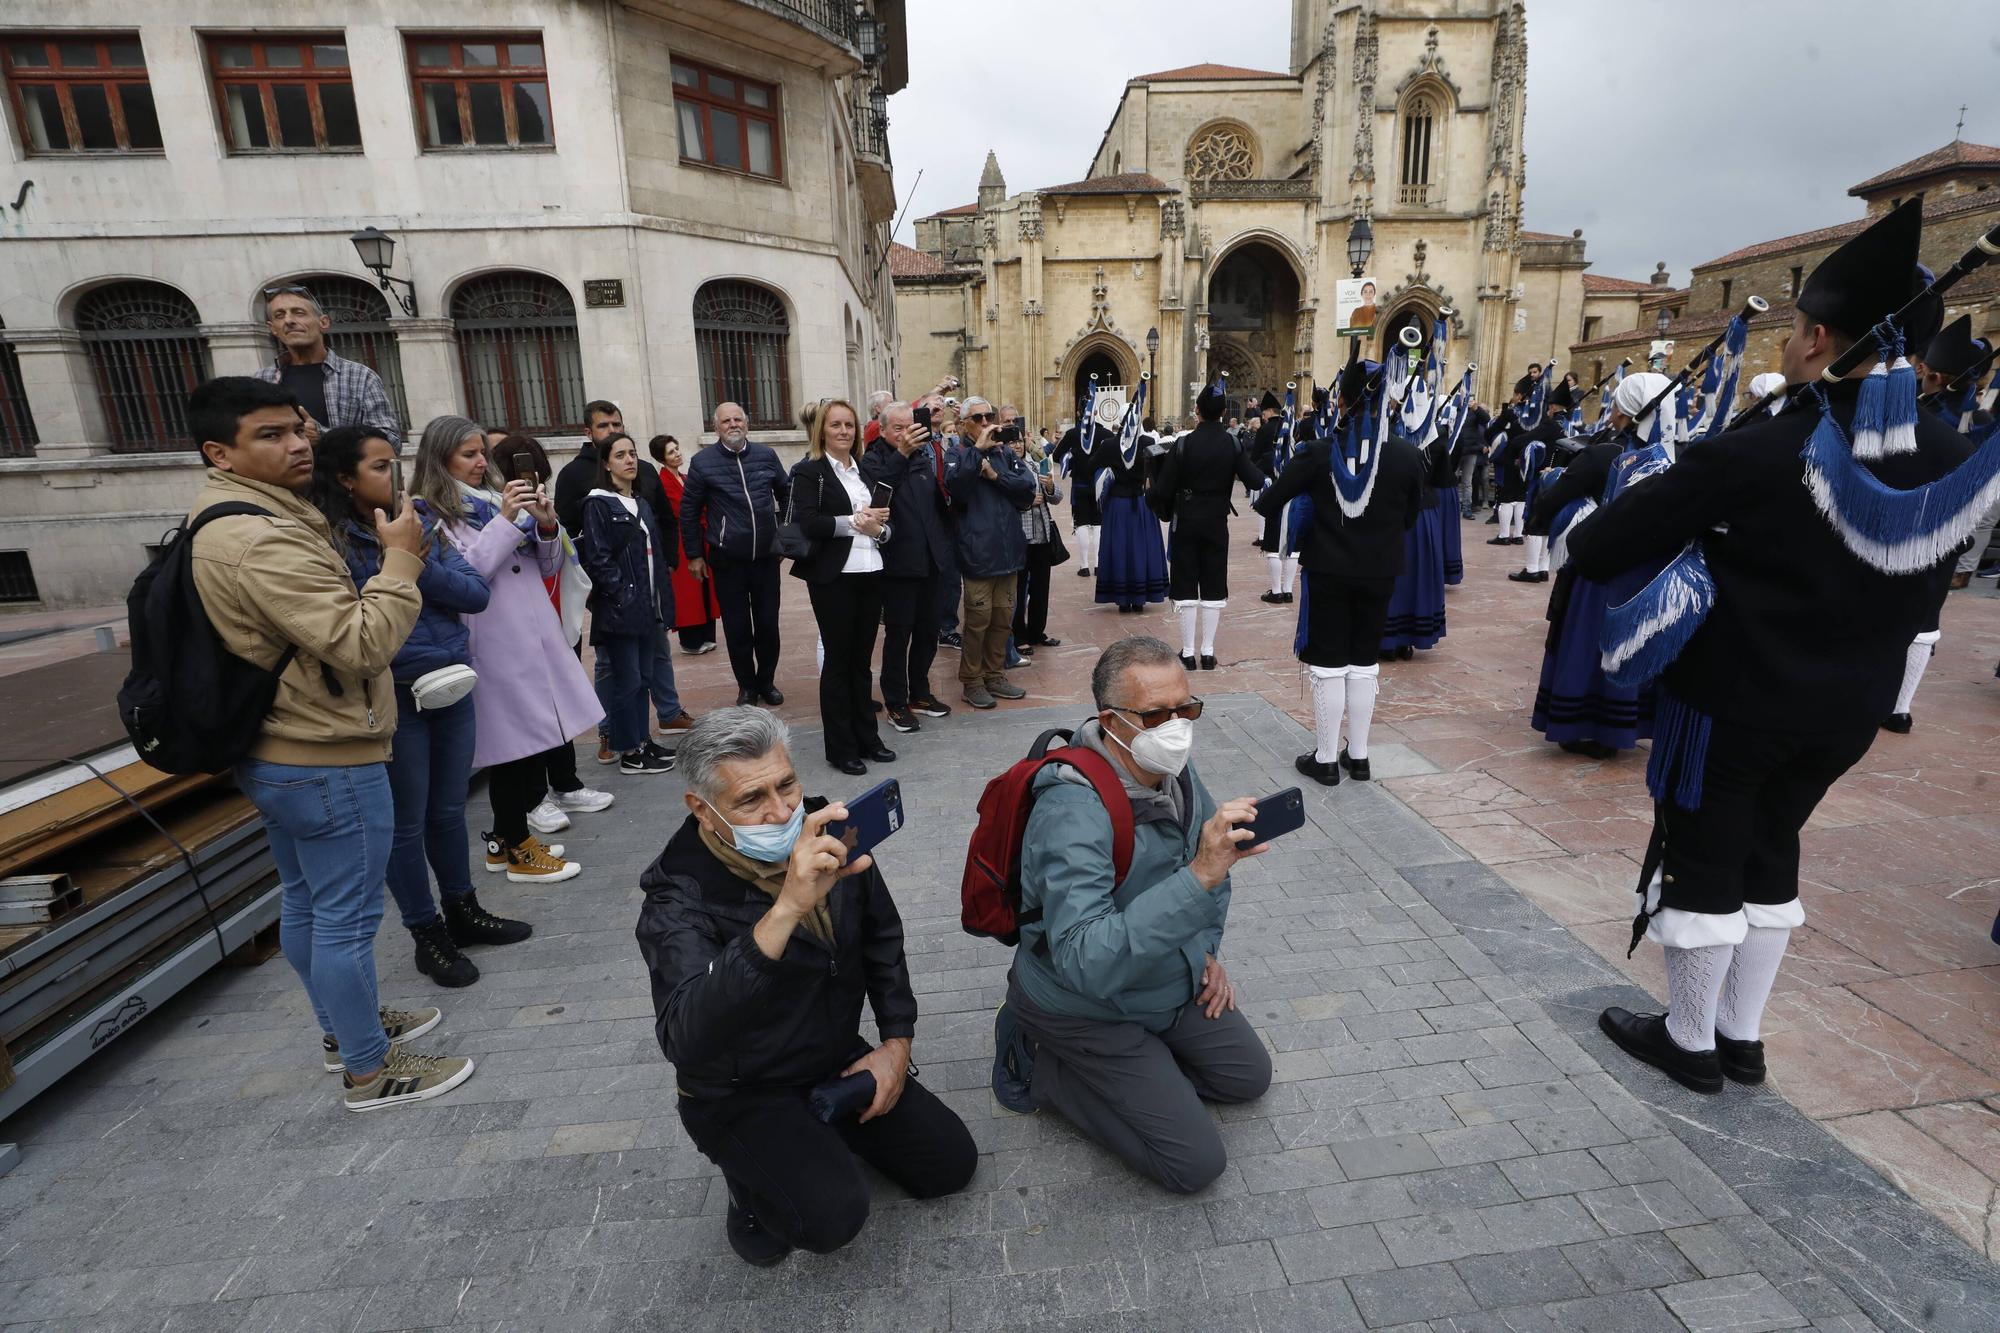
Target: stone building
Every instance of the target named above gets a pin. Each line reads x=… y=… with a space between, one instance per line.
x=1960 y=203
x=1217 y=211
x=658 y=202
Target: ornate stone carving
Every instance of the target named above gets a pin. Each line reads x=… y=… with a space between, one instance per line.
x=1031 y=310
x=993 y=314
x=1430 y=293
x=1100 y=302
x=1422 y=248
x=1173 y=219
x=1325 y=85
x=1031 y=218
x=1430 y=65
x=1222 y=152
x=1509 y=67
x=989 y=231
x=1297 y=188
x=1367 y=55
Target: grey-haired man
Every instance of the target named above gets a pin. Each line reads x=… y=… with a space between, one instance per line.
x=333 y=390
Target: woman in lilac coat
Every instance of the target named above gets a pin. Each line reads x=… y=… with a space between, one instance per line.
x=532 y=694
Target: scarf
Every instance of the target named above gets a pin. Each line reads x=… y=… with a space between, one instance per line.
x=769 y=879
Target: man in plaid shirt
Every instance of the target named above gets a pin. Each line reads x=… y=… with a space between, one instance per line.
x=333 y=390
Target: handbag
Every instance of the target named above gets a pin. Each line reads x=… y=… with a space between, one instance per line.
x=791 y=541
x=1058 y=553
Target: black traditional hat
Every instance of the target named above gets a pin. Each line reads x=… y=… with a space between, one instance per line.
x=1872 y=276
x=1525 y=385
x=1208 y=404
x=1354 y=381
x=1954 y=351
x=1562 y=396
x=1269 y=402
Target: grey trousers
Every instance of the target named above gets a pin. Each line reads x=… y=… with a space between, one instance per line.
x=1140 y=1094
x=1975 y=554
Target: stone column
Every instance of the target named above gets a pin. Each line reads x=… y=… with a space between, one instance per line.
x=62 y=392
x=239 y=349
x=431 y=382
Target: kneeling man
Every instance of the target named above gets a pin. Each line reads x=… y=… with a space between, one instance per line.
x=1118 y=1015
x=762 y=940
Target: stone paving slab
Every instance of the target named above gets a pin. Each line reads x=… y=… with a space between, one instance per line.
x=1441 y=1149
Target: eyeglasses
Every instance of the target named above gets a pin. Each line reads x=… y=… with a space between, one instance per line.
x=978 y=416
x=270 y=292
x=1153 y=717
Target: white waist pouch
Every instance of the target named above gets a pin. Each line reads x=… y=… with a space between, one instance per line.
x=442 y=688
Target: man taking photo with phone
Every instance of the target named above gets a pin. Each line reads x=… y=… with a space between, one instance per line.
x=1119 y=1015
x=989 y=489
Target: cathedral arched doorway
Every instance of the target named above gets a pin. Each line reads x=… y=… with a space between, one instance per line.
x=1100 y=364
x=1410 y=314
x=1253 y=320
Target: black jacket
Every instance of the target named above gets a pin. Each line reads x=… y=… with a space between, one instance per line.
x=817 y=499
x=1125 y=481
x=627 y=600
x=1472 y=439
x=728 y=1017
x=1195 y=479
x=1369 y=546
x=1803 y=635
x=919 y=541
x=1264 y=446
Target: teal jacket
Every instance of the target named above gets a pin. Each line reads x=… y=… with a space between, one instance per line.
x=1133 y=955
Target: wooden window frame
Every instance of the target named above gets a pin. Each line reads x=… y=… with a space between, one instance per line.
x=462 y=76
x=64 y=79
x=708 y=102
x=266 y=77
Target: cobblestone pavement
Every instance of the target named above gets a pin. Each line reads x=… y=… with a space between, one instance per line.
x=1448 y=1144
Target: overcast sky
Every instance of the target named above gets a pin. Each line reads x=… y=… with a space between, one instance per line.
x=1666 y=129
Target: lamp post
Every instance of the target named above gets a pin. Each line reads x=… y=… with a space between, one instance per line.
x=1360 y=245
x=1658 y=360
x=378 y=250
x=1152 y=353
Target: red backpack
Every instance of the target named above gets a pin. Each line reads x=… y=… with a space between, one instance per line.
x=990 y=893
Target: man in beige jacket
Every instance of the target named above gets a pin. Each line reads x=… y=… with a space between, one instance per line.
x=317 y=771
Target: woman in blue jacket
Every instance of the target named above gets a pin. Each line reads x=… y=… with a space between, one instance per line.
x=430 y=766
x=630 y=598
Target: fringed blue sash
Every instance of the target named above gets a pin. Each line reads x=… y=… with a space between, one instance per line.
x=1896 y=532
x=1643 y=635
x=1680 y=752
x=1354 y=480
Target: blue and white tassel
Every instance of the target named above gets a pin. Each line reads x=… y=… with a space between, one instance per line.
x=1643 y=635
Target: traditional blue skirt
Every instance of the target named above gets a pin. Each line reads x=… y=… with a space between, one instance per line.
x=1131 y=559
x=1416 y=607
x=1574 y=702
x=1448 y=520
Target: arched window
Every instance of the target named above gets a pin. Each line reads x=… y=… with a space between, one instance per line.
x=741 y=339
x=361 y=330
x=17 y=423
x=1422 y=153
x=148 y=354
x=517 y=343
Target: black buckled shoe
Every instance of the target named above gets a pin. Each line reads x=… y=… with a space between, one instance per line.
x=1208 y=661
x=1900 y=723
x=469 y=923
x=747 y=1236
x=1644 y=1038
x=1326 y=775
x=439 y=959
x=1189 y=663
x=1356 y=768
x=1742 y=1061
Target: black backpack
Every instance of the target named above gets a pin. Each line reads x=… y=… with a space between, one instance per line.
x=189 y=704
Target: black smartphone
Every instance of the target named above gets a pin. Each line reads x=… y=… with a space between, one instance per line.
x=1007 y=435
x=395 y=485
x=871 y=818
x=1277 y=814
x=1020 y=427
x=524 y=470
x=921 y=414
x=880 y=494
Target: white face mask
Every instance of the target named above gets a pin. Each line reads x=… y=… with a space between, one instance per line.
x=1164 y=749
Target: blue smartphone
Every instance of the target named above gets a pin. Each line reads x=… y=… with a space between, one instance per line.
x=871 y=818
x=1277 y=814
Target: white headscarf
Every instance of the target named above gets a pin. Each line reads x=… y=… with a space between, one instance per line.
x=1768 y=382
x=1634 y=392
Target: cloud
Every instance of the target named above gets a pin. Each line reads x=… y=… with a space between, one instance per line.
x=1671 y=130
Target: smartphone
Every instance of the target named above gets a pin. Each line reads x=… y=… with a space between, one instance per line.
x=1277 y=814
x=1007 y=435
x=872 y=817
x=395 y=486
x=879 y=494
x=524 y=470
x=921 y=414
x=1020 y=427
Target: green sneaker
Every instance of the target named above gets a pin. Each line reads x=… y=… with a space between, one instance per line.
x=399 y=1024
x=407 y=1078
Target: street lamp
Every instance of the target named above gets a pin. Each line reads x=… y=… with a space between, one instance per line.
x=1360 y=244
x=378 y=250
x=868 y=35
x=1663 y=322
x=1152 y=351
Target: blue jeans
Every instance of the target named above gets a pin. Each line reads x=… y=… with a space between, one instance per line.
x=330 y=830
x=659 y=681
x=626 y=665
x=428 y=775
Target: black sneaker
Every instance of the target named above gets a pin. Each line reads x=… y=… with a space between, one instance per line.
x=903 y=720
x=1644 y=1037
x=469 y=923
x=950 y=639
x=438 y=957
x=930 y=707
x=643 y=760
x=1742 y=1061
x=658 y=751
x=747 y=1236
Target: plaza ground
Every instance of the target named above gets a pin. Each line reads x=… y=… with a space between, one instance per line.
x=1449 y=1142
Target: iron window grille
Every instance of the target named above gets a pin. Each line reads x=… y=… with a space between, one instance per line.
x=148 y=354
x=361 y=330
x=17 y=424
x=519 y=351
x=741 y=339
x=17 y=578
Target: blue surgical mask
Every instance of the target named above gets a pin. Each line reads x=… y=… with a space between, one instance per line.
x=769 y=843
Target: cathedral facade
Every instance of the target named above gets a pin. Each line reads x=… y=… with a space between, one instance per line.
x=1219 y=210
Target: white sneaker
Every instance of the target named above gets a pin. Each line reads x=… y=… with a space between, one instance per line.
x=583 y=800
x=548 y=817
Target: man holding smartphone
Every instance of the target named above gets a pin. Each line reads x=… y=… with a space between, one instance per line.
x=989 y=489
x=915 y=557
x=1118 y=1014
